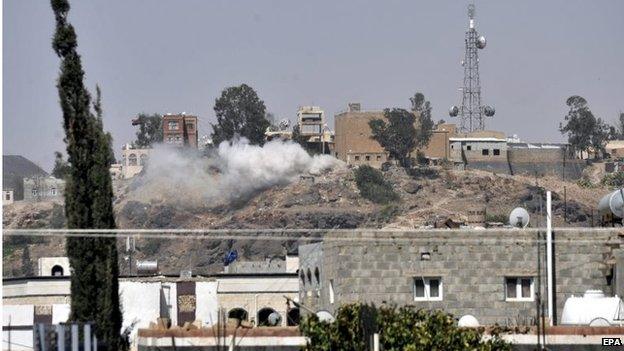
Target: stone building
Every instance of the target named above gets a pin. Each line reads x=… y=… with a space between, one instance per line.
x=353 y=142
x=180 y=130
x=132 y=161
x=42 y=188
x=491 y=275
x=8 y=196
x=14 y=169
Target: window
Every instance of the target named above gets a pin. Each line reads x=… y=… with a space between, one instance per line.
x=190 y=126
x=367 y=158
x=485 y=152
x=357 y=158
x=427 y=289
x=173 y=125
x=132 y=160
x=519 y=289
x=469 y=147
x=34 y=192
x=496 y=152
x=331 y=291
x=7 y=196
x=53 y=191
x=378 y=157
x=57 y=271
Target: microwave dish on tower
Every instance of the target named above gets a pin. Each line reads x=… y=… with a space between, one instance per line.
x=472 y=113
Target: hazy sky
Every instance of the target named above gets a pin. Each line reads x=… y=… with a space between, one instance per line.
x=174 y=56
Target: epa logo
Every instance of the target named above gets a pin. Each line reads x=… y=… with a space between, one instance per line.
x=612 y=342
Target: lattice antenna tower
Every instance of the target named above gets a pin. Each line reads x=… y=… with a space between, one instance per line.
x=471 y=113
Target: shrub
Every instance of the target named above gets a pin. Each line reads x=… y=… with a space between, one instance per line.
x=614 y=180
x=404 y=328
x=585 y=182
x=373 y=186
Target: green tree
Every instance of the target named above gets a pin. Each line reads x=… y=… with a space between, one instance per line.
x=422 y=109
x=88 y=192
x=373 y=186
x=398 y=135
x=583 y=129
x=27 y=269
x=240 y=112
x=61 y=167
x=150 y=130
x=400 y=329
x=616 y=132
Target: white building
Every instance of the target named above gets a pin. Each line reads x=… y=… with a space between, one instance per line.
x=133 y=161
x=8 y=196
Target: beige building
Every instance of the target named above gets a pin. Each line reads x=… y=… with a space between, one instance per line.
x=479 y=146
x=615 y=148
x=133 y=161
x=439 y=147
x=353 y=142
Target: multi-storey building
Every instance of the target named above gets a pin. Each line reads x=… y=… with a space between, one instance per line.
x=180 y=129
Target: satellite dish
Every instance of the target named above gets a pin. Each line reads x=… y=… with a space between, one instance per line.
x=453 y=111
x=274 y=319
x=468 y=321
x=481 y=42
x=325 y=316
x=489 y=111
x=519 y=217
x=599 y=322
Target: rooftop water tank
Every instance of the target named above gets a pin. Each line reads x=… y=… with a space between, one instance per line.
x=593 y=309
x=468 y=321
x=147 y=267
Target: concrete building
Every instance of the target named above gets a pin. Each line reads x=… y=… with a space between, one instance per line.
x=53 y=267
x=615 y=148
x=42 y=188
x=439 y=147
x=180 y=130
x=491 y=275
x=14 y=169
x=289 y=264
x=311 y=121
x=8 y=196
x=353 y=142
x=133 y=160
x=251 y=297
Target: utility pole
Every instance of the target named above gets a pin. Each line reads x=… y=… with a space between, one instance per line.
x=549 y=256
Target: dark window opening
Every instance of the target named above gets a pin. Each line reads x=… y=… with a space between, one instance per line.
x=496 y=152
x=469 y=147
x=57 y=271
x=293 y=317
x=238 y=313
x=267 y=317
x=485 y=152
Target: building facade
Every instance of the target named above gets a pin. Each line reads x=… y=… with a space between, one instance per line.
x=353 y=139
x=43 y=188
x=8 y=196
x=492 y=275
x=180 y=130
x=132 y=161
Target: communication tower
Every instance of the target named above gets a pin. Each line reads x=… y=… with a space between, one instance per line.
x=471 y=113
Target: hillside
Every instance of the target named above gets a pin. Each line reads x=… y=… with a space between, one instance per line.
x=328 y=200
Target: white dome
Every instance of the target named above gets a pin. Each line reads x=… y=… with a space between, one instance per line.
x=468 y=321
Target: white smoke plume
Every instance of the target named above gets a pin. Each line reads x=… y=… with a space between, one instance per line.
x=234 y=171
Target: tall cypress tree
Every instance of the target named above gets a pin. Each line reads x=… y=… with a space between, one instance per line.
x=88 y=192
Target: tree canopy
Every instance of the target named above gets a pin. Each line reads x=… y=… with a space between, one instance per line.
x=585 y=132
x=400 y=329
x=240 y=112
x=88 y=192
x=61 y=167
x=403 y=131
x=150 y=130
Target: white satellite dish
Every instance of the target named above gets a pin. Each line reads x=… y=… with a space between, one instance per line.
x=519 y=217
x=274 y=319
x=468 y=321
x=325 y=316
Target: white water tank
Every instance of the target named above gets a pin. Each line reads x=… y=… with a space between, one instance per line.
x=592 y=309
x=612 y=203
x=468 y=321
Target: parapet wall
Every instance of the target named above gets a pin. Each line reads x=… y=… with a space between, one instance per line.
x=380 y=267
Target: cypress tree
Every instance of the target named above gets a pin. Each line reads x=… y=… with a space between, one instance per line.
x=88 y=192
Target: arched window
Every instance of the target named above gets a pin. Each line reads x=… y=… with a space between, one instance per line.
x=302 y=276
x=238 y=313
x=143 y=159
x=268 y=317
x=317 y=275
x=57 y=271
x=132 y=160
x=309 y=276
x=293 y=317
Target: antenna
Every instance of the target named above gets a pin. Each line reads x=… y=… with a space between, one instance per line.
x=472 y=113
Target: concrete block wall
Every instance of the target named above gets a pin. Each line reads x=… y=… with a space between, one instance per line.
x=381 y=267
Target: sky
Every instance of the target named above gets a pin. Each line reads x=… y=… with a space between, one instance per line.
x=177 y=56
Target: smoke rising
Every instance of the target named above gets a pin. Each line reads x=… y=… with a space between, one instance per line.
x=234 y=171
